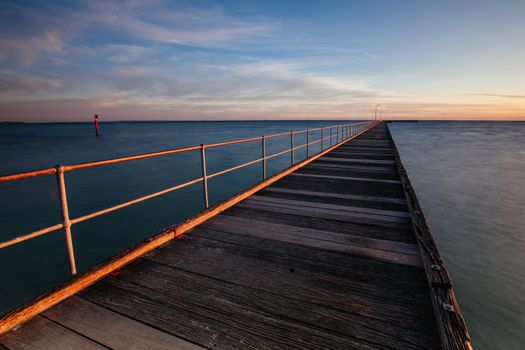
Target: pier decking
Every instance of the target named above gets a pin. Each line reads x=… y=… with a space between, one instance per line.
x=325 y=258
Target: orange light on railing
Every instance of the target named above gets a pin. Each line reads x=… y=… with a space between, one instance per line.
x=343 y=132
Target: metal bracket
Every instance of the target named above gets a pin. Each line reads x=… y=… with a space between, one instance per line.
x=448 y=307
x=436 y=267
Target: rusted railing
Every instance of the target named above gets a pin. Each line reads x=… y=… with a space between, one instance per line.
x=342 y=132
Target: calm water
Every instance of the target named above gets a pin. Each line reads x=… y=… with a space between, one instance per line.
x=470 y=180
x=468 y=176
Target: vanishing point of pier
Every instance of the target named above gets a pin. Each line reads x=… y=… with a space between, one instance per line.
x=333 y=253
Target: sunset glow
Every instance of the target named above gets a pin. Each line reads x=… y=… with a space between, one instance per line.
x=161 y=60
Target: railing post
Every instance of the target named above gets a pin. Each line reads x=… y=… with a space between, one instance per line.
x=292 y=160
x=322 y=139
x=331 y=135
x=307 y=143
x=65 y=217
x=292 y=147
x=264 y=156
x=204 y=176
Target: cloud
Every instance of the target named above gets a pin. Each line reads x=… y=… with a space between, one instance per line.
x=156 y=22
x=498 y=95
x=127 y=53
x=58 y=29
x=27 y=50
x=13 y=83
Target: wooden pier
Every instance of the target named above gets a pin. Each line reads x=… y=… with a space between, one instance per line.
x=328 y=257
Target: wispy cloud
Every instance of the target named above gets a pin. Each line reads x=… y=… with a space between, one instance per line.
x=57 y=29
x=27 y=50
x=13 y=83
x=118 y=53
x=498 y=95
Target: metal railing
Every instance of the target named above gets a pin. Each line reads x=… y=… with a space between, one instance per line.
x=342 y=133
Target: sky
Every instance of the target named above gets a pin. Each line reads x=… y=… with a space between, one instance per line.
x=239 y=60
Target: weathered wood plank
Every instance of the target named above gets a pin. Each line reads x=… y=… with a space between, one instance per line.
x=320 y=176
x=112 y=329
x=363 y=155
x=353 y=187
x=301 y=278
x=262 y=198
x=41 y=333
x=211 y=318
x=373 y=243
x=339 y=195
x=341 y=247
x=352 y=217
x=315 y=267
x=354 y=152
x=354 y=160
x=352 y=146
x=363 y=168
x=258 y=310
x=360 y=229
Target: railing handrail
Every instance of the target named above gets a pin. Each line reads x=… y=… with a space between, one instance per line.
x=343 y=132
x=72 y=167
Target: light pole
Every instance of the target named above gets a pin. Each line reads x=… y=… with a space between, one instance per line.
x=375 y=117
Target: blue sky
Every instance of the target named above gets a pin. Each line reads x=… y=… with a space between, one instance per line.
x=153 y=60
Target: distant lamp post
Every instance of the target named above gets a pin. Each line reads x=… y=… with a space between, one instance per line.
x=375 y=116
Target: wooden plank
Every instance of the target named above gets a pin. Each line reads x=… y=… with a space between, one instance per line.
x=349 y=172
x=339 y=195
x=354 y=187
x=111 y=329
x=361 y=275
x=334 y=280
x=353 y=160
x=347 y=178
x=352 y=153
x=369 y=219
x=41 y=333
x=374 y=243
x=263 y=198
x=261 y=311
x=314 y=242
x=357 y=229
x=367 y=168
x=352 y=146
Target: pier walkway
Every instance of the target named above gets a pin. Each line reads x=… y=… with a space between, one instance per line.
x=325 y=258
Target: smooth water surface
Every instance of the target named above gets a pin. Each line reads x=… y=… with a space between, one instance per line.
x=470 y=180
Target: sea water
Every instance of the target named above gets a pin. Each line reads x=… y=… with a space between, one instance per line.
x=470 y=180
